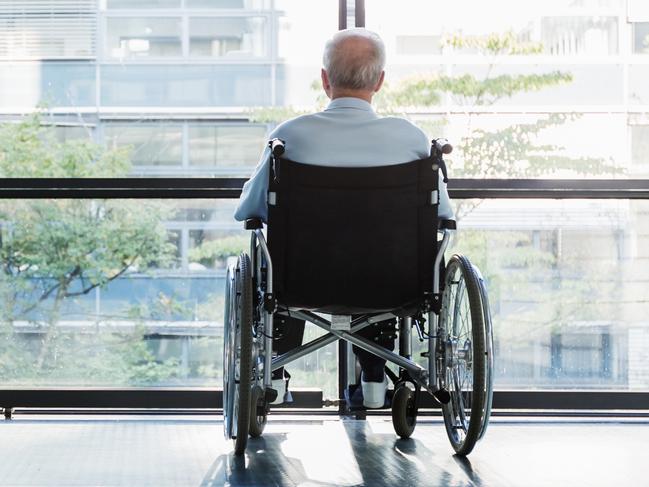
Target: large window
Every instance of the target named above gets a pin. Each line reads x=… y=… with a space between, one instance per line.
x=135 y=37
x=227 y=37
x=567 y=289
x=533 y=86
x=641 y=37
x=192 y=88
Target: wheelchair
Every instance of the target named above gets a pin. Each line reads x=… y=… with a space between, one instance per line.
x=363 y=245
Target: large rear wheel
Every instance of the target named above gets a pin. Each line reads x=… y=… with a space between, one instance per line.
x=465 y=371
x=237 y=353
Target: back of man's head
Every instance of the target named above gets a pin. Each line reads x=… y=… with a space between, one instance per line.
x=354 y=59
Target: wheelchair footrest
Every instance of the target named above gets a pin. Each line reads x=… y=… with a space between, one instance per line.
x=354 y=398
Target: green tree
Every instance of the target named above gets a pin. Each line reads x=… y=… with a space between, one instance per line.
x=53 y=252
x=557 y=288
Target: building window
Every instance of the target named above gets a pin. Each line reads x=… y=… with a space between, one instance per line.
x=226 y=37
x=130 y=4
x=567 y=36
x=418 y=45
x=247 y=4
x=149 y=144
x=641 y=37
x=640 y=144
x=47 y=30
x=225 y=146
x=138 y=37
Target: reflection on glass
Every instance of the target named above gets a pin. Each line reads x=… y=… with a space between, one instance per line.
x=641 y=37
x=566 y=285
x=583 y=35
x=640 y=144
x=53 y=83
x=247 y=4
x=122 y=293
x=136 y=37
x=143 y=4
x=229 y=146
x=235 y=85
x=148 y=144
x=226 y=37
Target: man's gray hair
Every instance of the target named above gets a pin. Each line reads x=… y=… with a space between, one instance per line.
x=354 y=69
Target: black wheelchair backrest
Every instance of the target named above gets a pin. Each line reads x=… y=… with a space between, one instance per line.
x=349 y=240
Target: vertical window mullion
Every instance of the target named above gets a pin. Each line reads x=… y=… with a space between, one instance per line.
x=185 y=35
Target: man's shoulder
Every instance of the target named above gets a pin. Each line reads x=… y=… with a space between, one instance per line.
x=295 y=123
x=406 y=126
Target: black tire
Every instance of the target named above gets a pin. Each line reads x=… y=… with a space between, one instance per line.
x=257 y=420
x=462 y=293
x=404 y=411
x=244 y=311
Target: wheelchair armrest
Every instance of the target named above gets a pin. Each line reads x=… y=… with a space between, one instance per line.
x=447 y=225
x=253 y=224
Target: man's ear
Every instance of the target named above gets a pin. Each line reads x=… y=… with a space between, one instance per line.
x=380 y=82
x=326 y=85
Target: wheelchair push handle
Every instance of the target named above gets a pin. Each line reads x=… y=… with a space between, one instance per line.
x=443 y=146
x=277 y=147
x=438 y=149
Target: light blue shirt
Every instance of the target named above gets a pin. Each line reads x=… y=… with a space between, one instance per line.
x=346 y=134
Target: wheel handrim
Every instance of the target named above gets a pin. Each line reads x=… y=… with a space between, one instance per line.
x=458 y=357
x=230 y=373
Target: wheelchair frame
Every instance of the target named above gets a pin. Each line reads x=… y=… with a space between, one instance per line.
x=418 y=374
x=447 y=352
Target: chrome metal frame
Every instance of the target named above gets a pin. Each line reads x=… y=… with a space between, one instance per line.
x=433 y=318
x=425 y=378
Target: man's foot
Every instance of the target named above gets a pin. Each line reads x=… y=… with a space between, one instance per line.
x=280 y=386
x=280 y=380
x=374 y=392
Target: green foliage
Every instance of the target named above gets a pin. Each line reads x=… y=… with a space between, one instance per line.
x=163 y=307
x=495 y=44
x=488 y=91
x=514 y=152
x=215 y=252
x=30 y=149
x=57 y=250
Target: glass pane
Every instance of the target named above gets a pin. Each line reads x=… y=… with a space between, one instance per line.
x=116 y=293
x=243 y=4
x=527 y=92
x=74 y=132
x=569 y=36
x=197 y=86
x=638 y=87
x=506 y=145
x=234 y=148
x=566 y=289
x=640 y=144
x=641 y=37
x=300 y=43
x=28 y=84
x=142 y=4
x=148 y=144
x=136 y=37
x=230 y=37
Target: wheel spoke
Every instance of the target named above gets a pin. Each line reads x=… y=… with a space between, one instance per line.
x=460 y=401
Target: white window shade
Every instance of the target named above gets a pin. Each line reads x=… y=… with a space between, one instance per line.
x=47 y=29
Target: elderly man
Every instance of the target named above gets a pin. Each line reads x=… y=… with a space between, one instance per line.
x=347 y=133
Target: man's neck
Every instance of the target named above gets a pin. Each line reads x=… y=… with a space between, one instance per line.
x=362 y=94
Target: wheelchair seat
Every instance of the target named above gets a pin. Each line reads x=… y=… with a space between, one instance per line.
x=352 y=240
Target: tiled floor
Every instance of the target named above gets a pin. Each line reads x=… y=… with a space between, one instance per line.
x=317 y=451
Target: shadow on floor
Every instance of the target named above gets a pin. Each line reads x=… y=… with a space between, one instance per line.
x=263 y=464
x=376 y=460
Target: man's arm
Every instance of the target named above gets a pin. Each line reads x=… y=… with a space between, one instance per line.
x=252 y=203
x=445 y=211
